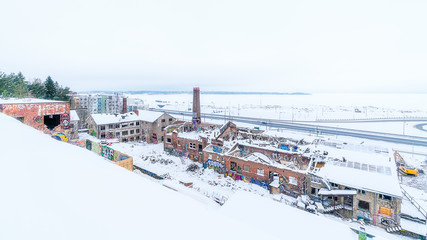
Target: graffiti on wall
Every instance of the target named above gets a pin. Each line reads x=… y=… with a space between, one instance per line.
x=89 y=145
x=215 y=165
x=38 y=119
x=151 y=174
x=261 y=183
x=364 y=215
x=178 y=153
x=60 y=137
x=79 y=143
x=92 y=132
x=234 y=176
x=107 y=152
x=217 y=149
x=65 y=121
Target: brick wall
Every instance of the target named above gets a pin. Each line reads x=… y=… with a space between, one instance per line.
x=33 y=114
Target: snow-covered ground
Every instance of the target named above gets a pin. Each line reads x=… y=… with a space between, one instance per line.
x=215 y=186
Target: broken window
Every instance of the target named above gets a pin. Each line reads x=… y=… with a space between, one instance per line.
x=363 y=205
x=385 y=197
x=51 y=121
x=233 y=166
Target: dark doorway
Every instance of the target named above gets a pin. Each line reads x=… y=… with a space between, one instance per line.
x=51 y=121
x=200 y=147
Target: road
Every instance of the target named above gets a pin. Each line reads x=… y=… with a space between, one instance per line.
x=314 y=129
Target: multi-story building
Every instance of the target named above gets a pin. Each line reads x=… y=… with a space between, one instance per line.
x=132 y=126
x=98 y=103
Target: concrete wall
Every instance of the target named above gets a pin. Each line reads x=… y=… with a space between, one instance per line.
x=117 y=157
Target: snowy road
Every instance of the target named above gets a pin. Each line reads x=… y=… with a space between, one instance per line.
x=378 y=136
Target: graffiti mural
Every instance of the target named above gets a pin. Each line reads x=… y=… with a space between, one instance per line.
x=65 y=121
x=79 y=143
x=107 y=152
x=215 y=165
x=261 y=183
x=92 y=132
x=60 y=137
x=151 y=174
x=217 y=149
x=234 y=176
x=89 y=145
x=38 y=119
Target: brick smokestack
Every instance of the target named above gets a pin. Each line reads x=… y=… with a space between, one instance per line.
x=125 y=105
x=196 y=105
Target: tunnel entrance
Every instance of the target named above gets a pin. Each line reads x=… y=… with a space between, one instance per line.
x=51 y=121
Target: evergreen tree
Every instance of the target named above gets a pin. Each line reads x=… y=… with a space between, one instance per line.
x=37 y=89
x=50 y=88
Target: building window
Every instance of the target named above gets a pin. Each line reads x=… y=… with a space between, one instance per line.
x=132 y=124
x=117 y=134
x=137 y=130
x=245 y=168
x=360 y=191
x=293 y=180
x=132 y=131
x=110 y=126
x=385 y=197
x=163 y=120
x=314 y=191
x=233 y=166
x=137 y=123
x=260 y=171
x=102 y=127
x=168 y=140
x=124 y=133
x=363 y=205
x=117 y=125
x=170 y=119
x=334 y=185
x=124 y=125
x=102 y=135
x=192 y=145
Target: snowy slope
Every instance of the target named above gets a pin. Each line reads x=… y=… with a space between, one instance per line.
x=53 y=190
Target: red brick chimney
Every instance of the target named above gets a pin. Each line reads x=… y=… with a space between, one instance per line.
x=196 y=105
x=125 y=105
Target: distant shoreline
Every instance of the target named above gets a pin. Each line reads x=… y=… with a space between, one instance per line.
x=203 y=92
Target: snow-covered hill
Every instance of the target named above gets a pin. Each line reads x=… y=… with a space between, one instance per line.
x=53 y=190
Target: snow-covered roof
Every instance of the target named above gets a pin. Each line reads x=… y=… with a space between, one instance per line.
x=415 y=227
x=74 y=116
x=259 y=158
x=327 y=192
x=51 y=203
x=370 y=177
x=149 y=116
x=27 y=100
x=102 y=118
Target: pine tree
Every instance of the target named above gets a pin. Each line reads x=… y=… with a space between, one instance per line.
x=50 y=88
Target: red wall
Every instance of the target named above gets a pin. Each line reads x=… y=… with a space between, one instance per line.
x=33 y=114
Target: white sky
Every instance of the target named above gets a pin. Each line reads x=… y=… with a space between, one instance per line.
x=284 y=45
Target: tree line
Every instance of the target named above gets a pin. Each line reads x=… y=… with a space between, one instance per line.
x=16 y=86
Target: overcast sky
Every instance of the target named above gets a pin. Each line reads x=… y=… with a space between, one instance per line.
x=312 y=46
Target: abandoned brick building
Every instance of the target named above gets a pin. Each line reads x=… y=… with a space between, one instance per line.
x=45 y=115
x=338 y=181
